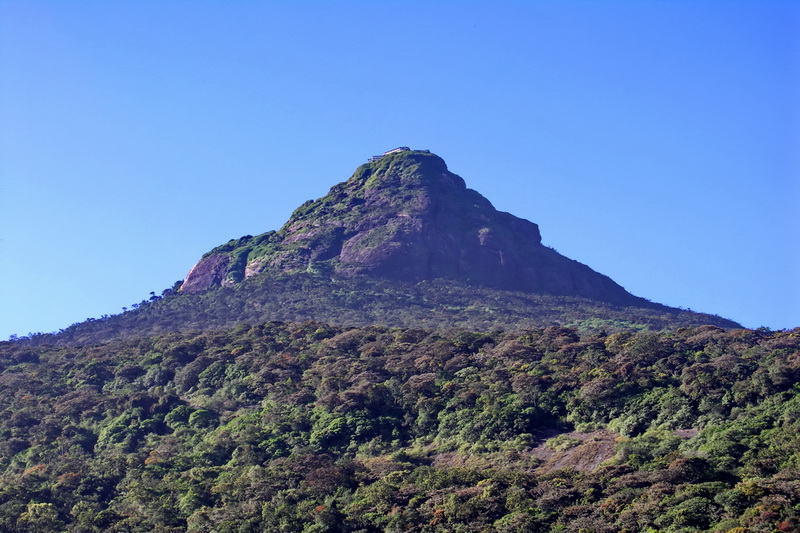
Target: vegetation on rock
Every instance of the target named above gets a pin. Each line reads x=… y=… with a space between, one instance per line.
x=406 y=217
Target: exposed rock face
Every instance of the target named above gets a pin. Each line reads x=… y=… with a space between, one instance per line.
x=405 y=216
x=208 y=272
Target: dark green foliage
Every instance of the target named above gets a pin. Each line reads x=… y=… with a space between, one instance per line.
x=363 y=301
x=314 y=427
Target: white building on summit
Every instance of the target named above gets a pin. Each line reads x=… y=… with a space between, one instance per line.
x=400 y=149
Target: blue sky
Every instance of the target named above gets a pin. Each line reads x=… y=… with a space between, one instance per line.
x=657 y=142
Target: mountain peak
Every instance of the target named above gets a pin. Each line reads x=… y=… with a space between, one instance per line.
x=403 y=168
x=403 y=215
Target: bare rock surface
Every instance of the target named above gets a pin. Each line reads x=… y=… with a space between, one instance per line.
x=208 y=272
x=585 y=452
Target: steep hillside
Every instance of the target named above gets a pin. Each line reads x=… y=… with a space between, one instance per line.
x=363 y=301
x=402 y=243
x=315 y=428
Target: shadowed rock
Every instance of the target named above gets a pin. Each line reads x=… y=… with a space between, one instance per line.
x=405 y=216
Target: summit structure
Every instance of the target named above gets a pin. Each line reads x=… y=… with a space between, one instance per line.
x=404 y=216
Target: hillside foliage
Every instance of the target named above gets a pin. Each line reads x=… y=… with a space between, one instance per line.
x=312 y=427
x=364 y=301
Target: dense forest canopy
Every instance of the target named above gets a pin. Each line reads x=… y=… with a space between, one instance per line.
x=400 y=356
x=313 y=427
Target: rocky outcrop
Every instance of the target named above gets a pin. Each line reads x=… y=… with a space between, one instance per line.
x=208 y=272
x=405 y=216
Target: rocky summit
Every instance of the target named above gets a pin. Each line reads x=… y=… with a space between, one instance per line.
x=404 y=216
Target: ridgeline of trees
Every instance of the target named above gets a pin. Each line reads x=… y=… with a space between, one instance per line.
x=364 y=301
x=308 y=427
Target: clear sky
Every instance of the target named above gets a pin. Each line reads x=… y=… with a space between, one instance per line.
x=657 y=142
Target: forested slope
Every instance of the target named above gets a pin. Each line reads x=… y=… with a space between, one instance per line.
x=364 y=301
x=310 y=427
